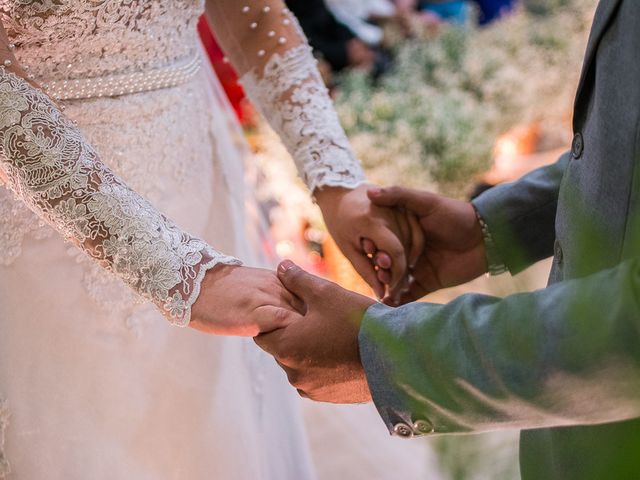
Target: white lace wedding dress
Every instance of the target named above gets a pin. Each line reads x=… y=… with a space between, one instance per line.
x=94 y=383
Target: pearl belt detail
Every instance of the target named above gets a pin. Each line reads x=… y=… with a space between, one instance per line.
x=125 y=83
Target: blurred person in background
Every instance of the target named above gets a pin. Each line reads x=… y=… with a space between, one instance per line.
x=362 y=17
x=454 y=11
x=490 y=10
x=336 y=43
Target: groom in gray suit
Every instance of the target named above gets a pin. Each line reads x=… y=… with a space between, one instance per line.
x=561 y=364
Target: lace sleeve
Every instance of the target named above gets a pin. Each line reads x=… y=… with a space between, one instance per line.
x=47 y=163
x=280 y=75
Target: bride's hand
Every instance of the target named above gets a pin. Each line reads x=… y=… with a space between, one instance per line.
x=242 y=301
x=379 y=242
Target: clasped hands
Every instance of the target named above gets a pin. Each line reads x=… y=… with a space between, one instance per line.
x=311 y=325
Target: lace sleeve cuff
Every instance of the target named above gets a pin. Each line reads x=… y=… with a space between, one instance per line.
x=177 y=306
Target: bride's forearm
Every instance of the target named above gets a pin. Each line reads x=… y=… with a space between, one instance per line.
x=48 y=164
x=280 y=76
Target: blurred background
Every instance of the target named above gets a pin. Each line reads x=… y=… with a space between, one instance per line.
x=451 y=96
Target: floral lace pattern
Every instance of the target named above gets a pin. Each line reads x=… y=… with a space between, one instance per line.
x=305 y=118
x=51 y=167
x=105 y=36
x=142 y=152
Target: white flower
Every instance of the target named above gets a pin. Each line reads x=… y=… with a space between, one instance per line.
x=176 y=306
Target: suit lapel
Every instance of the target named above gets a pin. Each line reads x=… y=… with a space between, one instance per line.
x=602 y=18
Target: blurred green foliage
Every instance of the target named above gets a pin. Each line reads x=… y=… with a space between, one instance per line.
x=433 y=120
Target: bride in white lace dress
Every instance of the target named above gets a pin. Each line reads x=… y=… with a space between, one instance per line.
x=108 y=118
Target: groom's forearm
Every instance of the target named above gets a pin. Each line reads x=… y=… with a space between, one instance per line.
x=521 y=215
x=565 y=355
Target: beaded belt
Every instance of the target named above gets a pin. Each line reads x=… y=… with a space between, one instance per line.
x=125 y=83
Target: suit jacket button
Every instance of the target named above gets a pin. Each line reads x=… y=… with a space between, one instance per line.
x=422 y=427
x=402 y=430
x=577 y=146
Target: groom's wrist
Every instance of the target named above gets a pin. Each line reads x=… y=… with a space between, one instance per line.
x=376 y=342
x=495 y=264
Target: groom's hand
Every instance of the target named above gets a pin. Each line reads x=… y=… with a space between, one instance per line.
x=453 y=250
x=319 y=352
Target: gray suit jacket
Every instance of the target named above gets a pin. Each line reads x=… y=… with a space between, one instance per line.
x=563 y=363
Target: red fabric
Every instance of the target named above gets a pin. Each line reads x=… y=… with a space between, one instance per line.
x=224 y=71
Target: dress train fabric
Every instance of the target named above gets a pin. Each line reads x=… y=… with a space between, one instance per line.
x=98 y=385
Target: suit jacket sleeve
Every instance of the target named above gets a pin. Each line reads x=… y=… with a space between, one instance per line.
x=521 y=215
x=565 y=355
